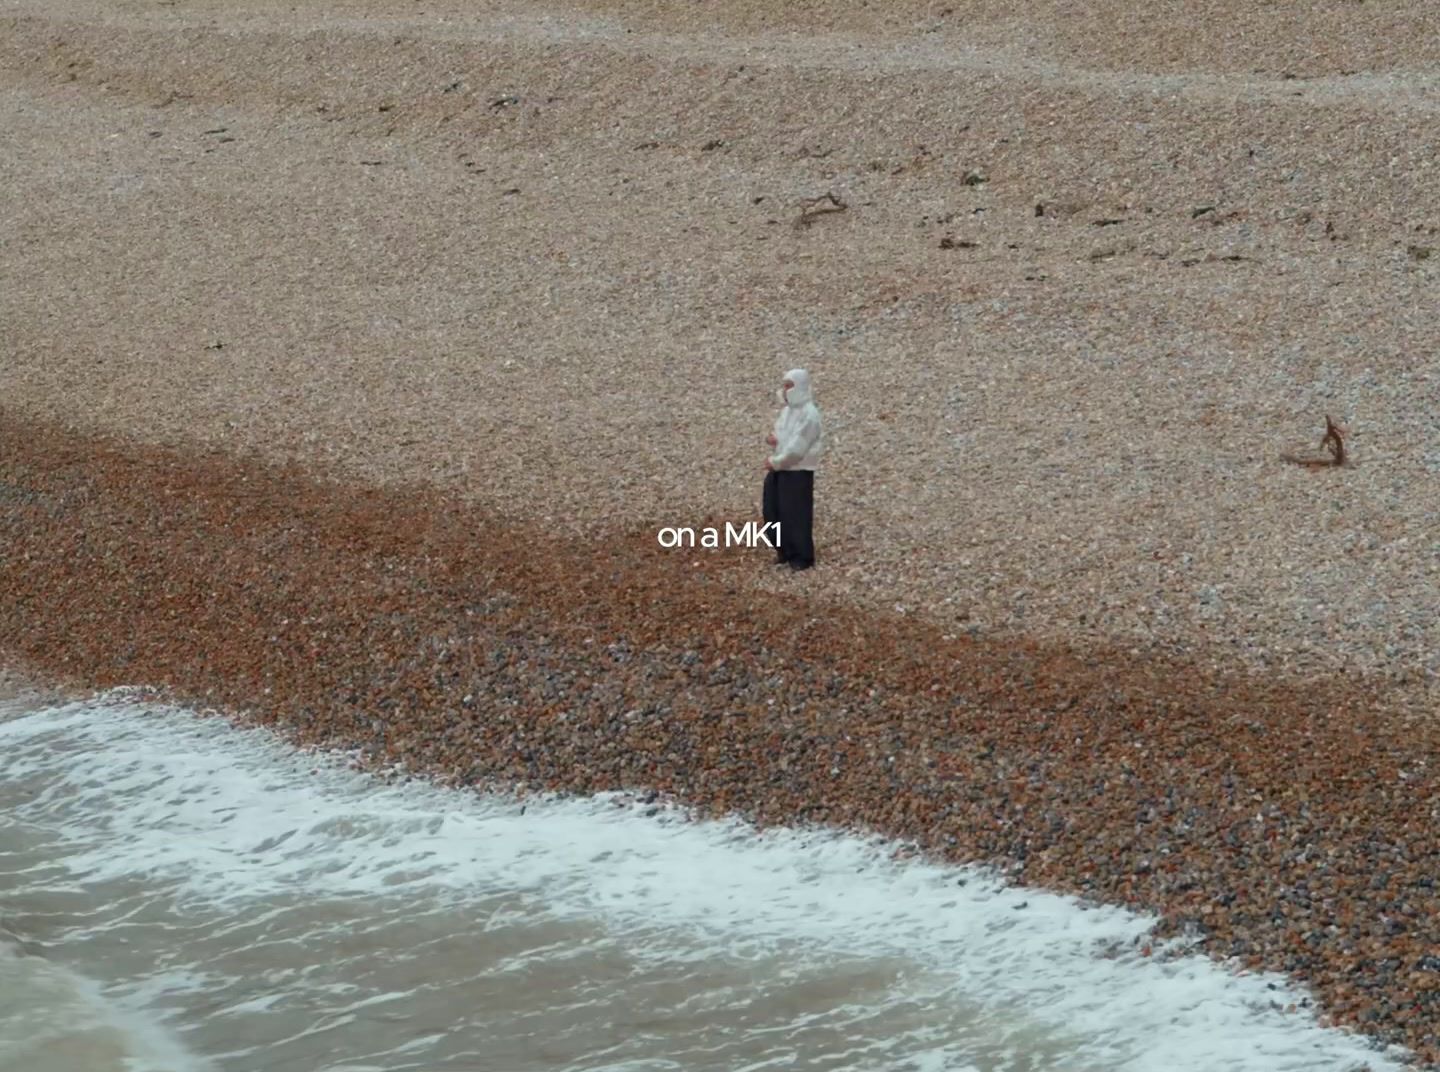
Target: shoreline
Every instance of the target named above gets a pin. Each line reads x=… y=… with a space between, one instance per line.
x=1004 y=971
x=355 y=355
x=1252 y=813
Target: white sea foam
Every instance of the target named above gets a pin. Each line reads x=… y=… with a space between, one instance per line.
x=234 y=820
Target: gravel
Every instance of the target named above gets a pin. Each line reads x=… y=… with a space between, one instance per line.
x=1071 y=430
x=538 y=271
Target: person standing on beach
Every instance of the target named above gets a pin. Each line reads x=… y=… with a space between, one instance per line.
x=789 y=496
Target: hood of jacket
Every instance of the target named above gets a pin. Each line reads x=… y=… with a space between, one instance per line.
x=801 y=393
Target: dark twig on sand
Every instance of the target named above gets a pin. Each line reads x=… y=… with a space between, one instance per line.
x=814 y=207
x=1334 y=442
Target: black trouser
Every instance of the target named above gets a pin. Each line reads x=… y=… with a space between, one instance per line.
x=789 y=498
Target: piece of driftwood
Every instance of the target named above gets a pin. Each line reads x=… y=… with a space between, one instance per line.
x=1334 y=442
x=813 y=208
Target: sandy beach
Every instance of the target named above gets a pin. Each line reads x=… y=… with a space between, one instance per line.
x=354 y=356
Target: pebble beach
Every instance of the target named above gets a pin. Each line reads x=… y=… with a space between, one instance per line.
x=354 y=356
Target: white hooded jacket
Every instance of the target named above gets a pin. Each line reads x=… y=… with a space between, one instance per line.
x=798 y=436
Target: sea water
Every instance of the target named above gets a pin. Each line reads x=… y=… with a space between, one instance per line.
x=179 y=895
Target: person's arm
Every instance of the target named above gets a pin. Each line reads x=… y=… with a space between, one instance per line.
x=797 y=444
